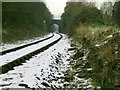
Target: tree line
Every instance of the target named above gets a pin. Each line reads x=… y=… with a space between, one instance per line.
x=22 y=20
x=87 y=13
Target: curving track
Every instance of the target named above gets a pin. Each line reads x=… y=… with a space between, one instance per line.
x=23 y=46
x=23 y=53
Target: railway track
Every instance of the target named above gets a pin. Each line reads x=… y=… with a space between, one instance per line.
x=23 y=46
x=8 y=65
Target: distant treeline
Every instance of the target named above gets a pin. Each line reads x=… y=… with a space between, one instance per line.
x=87 y=13
x=23 y=20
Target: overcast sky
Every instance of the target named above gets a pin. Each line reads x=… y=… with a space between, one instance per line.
x=56 y=7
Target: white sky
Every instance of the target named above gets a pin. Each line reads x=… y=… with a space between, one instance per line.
x=56 y=7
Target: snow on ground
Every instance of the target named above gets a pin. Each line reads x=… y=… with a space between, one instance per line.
x=42 y=70
x=21 y=43
x=22 y=52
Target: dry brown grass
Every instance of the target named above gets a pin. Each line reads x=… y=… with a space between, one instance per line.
x=102 y=58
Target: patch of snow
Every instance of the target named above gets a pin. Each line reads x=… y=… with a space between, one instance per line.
x=89 y=69
x=105 y=42
x=97 y=45
x=45 y=67
x=98 y=87
x=109 y=36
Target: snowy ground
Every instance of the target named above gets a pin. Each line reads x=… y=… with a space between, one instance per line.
x=20 y=43
x=22 y=52
x=41 y=71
